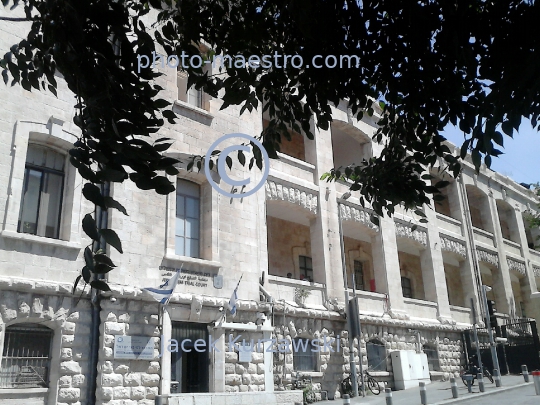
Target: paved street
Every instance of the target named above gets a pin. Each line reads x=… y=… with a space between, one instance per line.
x=512 y=392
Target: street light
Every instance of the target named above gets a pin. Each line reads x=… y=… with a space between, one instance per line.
x=492 y=346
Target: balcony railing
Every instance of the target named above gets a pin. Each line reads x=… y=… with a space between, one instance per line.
x=484 y=237
x=449 y=224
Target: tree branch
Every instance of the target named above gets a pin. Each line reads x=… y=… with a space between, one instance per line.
x=16 y=19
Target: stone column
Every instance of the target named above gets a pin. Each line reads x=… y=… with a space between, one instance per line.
x=532 y=305
x=325 y=242
x=467 y=268
x=386 y=267
x=502 y=286
x=218 y=356
x=433 y=276
x=268 y=359
x=166 y=332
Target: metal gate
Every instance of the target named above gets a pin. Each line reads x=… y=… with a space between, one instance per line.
x=523 y=345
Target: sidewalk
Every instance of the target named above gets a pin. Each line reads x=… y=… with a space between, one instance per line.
x=437 y=393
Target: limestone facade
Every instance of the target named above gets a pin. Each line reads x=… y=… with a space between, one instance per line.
x=414 y=281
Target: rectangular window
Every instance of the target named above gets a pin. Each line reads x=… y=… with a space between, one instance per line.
x=304 y=358
x=406 y=287
x=43 y=185
x=191 y=96
x=26 y=357
x=188 y=219
x=306 y=268
x=359 y=275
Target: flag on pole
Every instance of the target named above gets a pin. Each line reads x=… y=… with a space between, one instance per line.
x=234 y=298
x=165 y=291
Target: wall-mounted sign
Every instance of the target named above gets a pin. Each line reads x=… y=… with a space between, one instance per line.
x=244 y=353
x=134 y=347
x=218 y=281
x=190 y=278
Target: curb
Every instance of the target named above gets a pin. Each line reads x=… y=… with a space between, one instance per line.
x=481 y=394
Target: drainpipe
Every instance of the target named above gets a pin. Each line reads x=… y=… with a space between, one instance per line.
x=102 y=219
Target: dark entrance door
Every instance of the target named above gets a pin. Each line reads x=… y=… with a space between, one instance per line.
x=189 y=368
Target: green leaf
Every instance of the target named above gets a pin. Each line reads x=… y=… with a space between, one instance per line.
x=93 y=194
x=102 y=268
x=90 y=228
x=86 y=274
x=75 y=284
x=102 y=258
x=112 y=239
x=100 y=285
x=89 y=258
x=112 y=203
x=507 y=128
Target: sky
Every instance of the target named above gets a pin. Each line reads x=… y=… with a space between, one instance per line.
x=521 y=158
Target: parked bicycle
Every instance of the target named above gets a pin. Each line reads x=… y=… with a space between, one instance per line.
x=369 y=380
x=473 y=370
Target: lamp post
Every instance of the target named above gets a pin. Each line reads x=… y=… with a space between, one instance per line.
x=354 y=377
x=492 y=346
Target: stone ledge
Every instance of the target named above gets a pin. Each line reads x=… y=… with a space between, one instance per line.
x=41 y=240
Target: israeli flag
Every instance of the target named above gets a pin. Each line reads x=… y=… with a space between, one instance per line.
x=165 y=291
x=232 y=302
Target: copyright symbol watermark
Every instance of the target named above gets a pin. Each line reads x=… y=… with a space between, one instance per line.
x=222 y=170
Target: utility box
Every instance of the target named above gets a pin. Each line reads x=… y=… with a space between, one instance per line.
x=410 y=368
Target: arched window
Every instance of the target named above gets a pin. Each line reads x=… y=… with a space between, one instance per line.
x=26 y=356
x=376 y=355
x=41 y=202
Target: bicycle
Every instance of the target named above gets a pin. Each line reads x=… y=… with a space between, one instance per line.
x=474 y=373
x=369 y=380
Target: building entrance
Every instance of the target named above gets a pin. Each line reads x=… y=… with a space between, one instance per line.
x=189 y=368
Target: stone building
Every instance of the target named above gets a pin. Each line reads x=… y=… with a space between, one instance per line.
x=414 y=281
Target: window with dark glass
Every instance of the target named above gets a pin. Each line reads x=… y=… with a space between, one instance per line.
x=406 y=287
x=188 y=219
x=43 y=186
x=359 y=275
x=306 y=268
x=376 y=354
x=304 y=355
x=26 y=356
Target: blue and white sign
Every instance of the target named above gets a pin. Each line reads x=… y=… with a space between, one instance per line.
x=134 y=347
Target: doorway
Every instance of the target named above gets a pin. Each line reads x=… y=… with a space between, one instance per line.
x=189 y=368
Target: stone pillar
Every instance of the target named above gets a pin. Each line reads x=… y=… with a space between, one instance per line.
x=386 y=267
x=166 y=332
x=467 y=268
x=433 y=276
x=502 y=286
x=268 y=359
x=532 y=305
x=325 y=242
x=218 y=356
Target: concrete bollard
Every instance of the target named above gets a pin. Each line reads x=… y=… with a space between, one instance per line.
x=159 y=400
x=469 y=379
x=536 y=379
x=453 y=384
x=480 y=378
x=525 y=372
x=497 y=377
x=423 y=393
x=388 y=395
x=346 y=399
